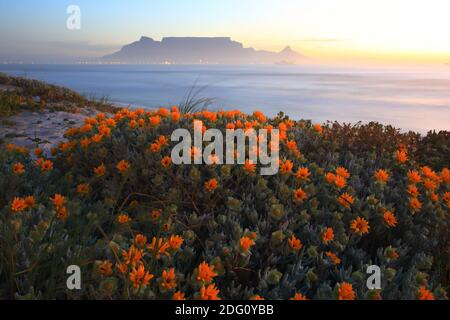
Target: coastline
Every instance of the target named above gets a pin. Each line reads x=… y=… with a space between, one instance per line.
x=42 y=112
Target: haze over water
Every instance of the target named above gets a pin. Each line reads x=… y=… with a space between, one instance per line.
x=410 y=99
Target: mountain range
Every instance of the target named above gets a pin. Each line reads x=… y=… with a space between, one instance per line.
x=198 y=50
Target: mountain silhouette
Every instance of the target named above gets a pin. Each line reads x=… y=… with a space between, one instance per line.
x=198 y=50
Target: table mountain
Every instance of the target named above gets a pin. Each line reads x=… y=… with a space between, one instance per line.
x=198 y=50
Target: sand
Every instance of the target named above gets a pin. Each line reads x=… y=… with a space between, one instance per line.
x=44 y=128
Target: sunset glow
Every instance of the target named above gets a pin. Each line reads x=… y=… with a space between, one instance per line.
x=345 y=30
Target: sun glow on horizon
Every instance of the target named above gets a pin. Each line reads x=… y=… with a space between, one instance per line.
x=387 y=30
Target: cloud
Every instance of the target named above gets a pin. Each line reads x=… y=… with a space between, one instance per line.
x=322 y=40
x=53 y=51
x=83 y=47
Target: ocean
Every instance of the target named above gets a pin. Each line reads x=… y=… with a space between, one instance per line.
x=410 y=99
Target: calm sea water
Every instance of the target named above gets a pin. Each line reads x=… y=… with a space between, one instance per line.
x=409 y=99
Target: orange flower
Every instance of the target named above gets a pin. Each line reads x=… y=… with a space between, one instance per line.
x=100 y=170
x=85 y=142
x=133 y=124
x=333 y=257
x=360 y=226
x=62 y=213
x=101 y=116
x=330 y=177
x=246 y=243
x=122 y=267
x=86 y=128
x=205 y=273
x=392 y=254
x=445 y=175
x=211 y=185
x=249 y=166
x=340 y=182
x=140 y=240
x=299 y=296
x=302 y=174
x=71 y=132
x=30 y=201
x=256 y=297
x=18 y=168
x=300 y=195
x=162 y=140
x=91 y=121
x=328 y=235
x=381 y=175
x=166 y=162
x=155 y=214
x=175 y=242
x=346 y=200
x=446 y=198
x=159 y=247
x=346 y=292
x=286 y=167
x=230 y=126
x=105 y=268
x=18 y=205
x=58 y=200
x=96 y=138
x=429 y=184
x=38 y=152
x=178 y=296
x=342 y=172
x=415 y=204
x=47 y=165
x=83 y=188
x=155 y=120
x=401 y=156
x=139 y=277
x=141 y=123
x=429 y=173
x=104 y=131
x=433 y=196
x=260 y=116
x=175 y=116
x=209 y=293
x=318 y=128
x=412 y=190
x=155 y=147
x=390 y=218
x=169 y=279
x=413 y=176
x=196 y=152
x=123 y=166
x=294 y=243
x=133 y=256
x=424 y=294
x=110 y=122
x=213 y=159
x=291 y=145
x=123 y=218
x=163 y=112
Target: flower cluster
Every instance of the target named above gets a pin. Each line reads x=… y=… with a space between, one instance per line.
x=110 y=200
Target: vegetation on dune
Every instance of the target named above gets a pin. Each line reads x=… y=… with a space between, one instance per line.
x=29 y=94
x=111 y=201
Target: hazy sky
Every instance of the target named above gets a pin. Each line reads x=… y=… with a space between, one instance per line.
x=329 y=30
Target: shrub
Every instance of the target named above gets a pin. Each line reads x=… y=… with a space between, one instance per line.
x=140 y=227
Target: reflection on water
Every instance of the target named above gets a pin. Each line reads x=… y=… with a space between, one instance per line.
x=409 y=99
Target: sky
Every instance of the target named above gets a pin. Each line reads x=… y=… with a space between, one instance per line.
x=399 y=31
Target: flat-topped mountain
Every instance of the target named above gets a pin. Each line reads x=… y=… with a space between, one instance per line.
x=194 y=50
